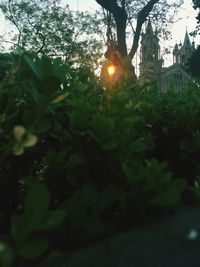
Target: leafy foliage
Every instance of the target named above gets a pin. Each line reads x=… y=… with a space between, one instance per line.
x=193 y=63
x=89 y=161
x=7 y=60
x=196 y=5
x=47 y=27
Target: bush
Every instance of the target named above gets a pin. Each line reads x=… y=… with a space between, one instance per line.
x=78 y=164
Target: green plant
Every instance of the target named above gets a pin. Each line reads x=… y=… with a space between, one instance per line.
x=76 y=165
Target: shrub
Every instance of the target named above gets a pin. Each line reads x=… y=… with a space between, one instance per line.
x=77 y=164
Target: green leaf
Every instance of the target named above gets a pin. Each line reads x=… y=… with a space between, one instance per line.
x=108 y=197
x=81 y=202
x=131 y=174
x=60 y=69
x=102 y=127
x=179 y=184
x=31 y=90
x=36 y=205
x=169 y=198
x=80 y=117
x=34 y=67
x=46 y=65
x=33 y=248
x=53 y=219
x=50 y=85
x=19 y=230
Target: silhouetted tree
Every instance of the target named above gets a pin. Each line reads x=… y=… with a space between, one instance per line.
x=134 y=13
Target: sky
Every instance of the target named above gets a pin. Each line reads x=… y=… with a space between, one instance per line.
x=187 y=15
x=187 y=21
x=89 y=5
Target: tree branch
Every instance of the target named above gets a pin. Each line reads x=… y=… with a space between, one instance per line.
x=12 y=19
x=142 y=16
x=123 y=4
x=110 y=5
x=120 y=17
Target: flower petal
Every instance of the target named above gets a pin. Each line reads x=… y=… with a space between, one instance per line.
x=19 y=132
x=31 y=140
x=18 y=149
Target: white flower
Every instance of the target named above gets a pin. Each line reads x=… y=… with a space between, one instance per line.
x=23 y=139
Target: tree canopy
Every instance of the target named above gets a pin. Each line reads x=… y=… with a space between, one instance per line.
x=194 y=61
x=48 y=27
x=196 y=5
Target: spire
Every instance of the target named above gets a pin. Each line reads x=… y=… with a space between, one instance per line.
x=149 y=28
x=186 y=42
x=176 y=54
x=175 y=48
x=193 y=44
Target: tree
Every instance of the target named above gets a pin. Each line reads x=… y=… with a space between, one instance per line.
x=194 y=61
x=196 y=5
x=125 y=12
x=47 y=27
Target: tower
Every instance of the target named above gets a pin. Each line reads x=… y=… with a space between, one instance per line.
x=151 y=61
x=176 y=58
x=186 y=50
x=151 y=65
x=176 y=75
x=181 y=55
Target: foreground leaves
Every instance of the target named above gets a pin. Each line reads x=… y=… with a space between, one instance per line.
x=87 y=165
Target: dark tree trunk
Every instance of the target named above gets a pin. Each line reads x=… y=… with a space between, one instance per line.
x=121 y=19
x=120 y=16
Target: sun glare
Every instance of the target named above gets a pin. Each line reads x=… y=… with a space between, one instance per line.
x=111 y=70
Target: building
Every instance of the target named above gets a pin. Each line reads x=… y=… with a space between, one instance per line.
x=151 y=64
